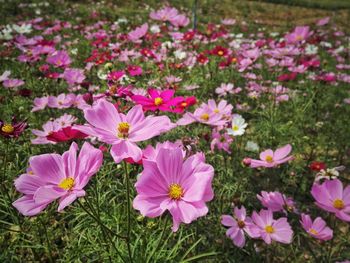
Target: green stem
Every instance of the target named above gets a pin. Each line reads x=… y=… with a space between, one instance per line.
x=103 y=229
x=160 y=239
x=98 y=221
x=128 y=209
x=47 y=240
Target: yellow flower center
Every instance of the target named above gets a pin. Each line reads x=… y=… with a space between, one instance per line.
x=175 y=191
x=220 y=52
x=338 y=204
x=67 y=183
x=269 y=229
x=123 y=129
x=216 y=111
x=240 y=224
x=205 y=116
x=299 y=37
x=235 y=128
x=158 y=101
x=7 y=128
x=313 y=231
x=269 y=159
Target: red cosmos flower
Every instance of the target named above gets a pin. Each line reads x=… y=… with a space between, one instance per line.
x=66 y=134
x=147 y=53
x=13 y=129
x=134 y=70
x=219 y=51
x=287 y=77
x=317 y=166
x=184 y=104
x=159 y=100
x=189 y=35
x=202 y=59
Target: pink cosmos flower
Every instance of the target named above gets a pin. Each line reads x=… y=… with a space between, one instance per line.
x=40 y=103
x=299 y=34
x=269 y=158
x=224 y=89
x=159 y=100
x=222 y=108
x=270 y=229
x=203 y=114
x=138 y=33
x=59 y=59
x=53 y=176
x=220 y=141
x=171 y=183
x=317 y=229
x=164 y=14
x=180 y=20
x=122 y=131
x=331 y=197
x=323 y=21
x=73 y=76
x=238 y=225
x=275 y=201
x=12 y=83
x=62 y=101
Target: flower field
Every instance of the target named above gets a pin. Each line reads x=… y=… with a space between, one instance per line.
x=194 y=131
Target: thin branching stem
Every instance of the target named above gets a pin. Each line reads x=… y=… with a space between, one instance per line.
x=127 y=178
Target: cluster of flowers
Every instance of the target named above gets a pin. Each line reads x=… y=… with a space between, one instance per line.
x=171 y=180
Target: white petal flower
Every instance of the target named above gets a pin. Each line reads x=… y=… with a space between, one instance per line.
x=238 y=126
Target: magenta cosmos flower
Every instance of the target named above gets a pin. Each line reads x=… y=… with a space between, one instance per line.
x=238 y=225
x=331 y=197
x=317 y=229
x=269 y=158
x=270 y=229
x=53 y=176
x=276 y=202
x=159 y=100
x=59 y=59
x=123 y=131
x=171 y=183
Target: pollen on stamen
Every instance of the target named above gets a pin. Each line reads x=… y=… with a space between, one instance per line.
x=338 y=204
x=123 y=129
x=269 y=159
x=7 y=128
x=175 y=191
x=67 y=183
x=205 y=117
x=158 y=101
x=269 y=229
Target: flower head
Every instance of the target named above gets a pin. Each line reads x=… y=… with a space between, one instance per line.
x=275 y=201
x=269 y=158
x=122 y=131
x=317 y=228
x=238 y=126
x=54 y=176
x=238 y=226
x=13 y=129
x=270 y=229
x=331 y=197
x=168 y=182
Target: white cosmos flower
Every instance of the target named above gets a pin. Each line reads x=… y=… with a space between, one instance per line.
x=23 y=29
x=251 y=146
x=238 y=126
